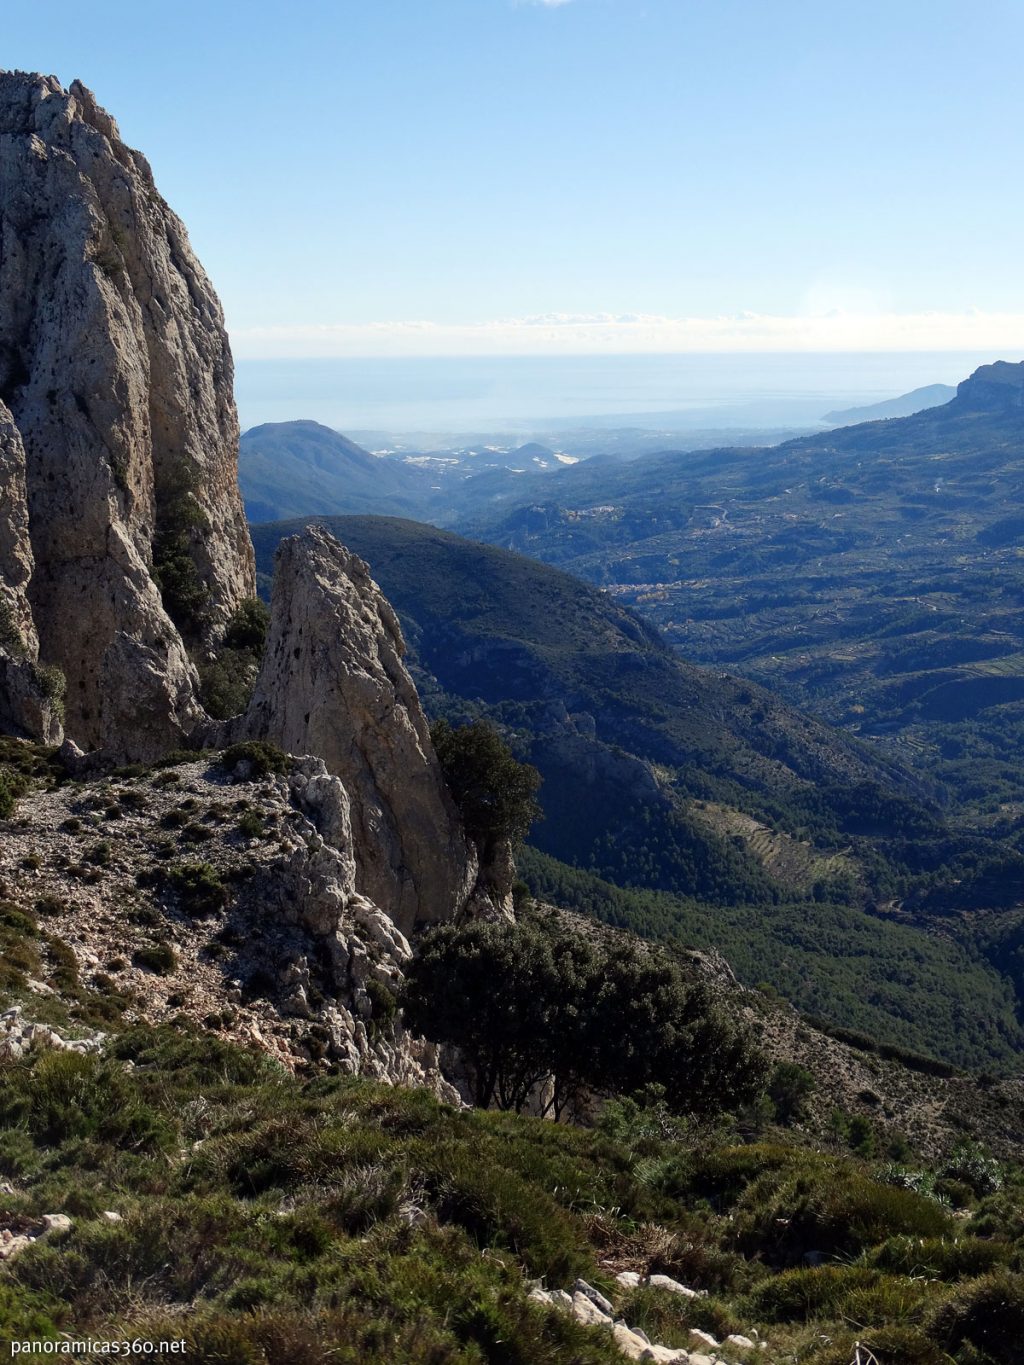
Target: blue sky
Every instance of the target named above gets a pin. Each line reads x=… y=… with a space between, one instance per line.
x=423 y=176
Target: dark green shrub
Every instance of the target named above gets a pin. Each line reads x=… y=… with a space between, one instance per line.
x=789 y=1088
x=251 y=825
x=986 y=1314
x=12 y=785
x=495 y=794
x=837 y=1291
x=199 y=888
x=385 y=1005
x=531 y=999
x=156 y=957
x=67 y=1095
x=180 y=521
x=812 y=1205
x=50 y=905
x=247 y=629
x=101 y=853
x=939 y=1258
x=256 y=757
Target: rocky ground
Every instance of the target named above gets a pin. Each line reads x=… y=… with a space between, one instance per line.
x=191 y=892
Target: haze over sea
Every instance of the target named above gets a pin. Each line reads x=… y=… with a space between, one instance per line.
x=530 y=393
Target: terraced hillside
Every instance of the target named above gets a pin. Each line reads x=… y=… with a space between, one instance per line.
x=873 y=575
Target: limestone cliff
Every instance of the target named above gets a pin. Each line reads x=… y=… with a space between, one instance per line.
x=992 y=388
x=123 y=546
x=116 y=377
x=23 y=696
x=333 y=684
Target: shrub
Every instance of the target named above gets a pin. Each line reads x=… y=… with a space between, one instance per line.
x=251 y=825
x=528 y=999
x=830 y=1207
x=198 y=886
x=101 y=853
x=12 y=785
x=939 y=1258
x=986 y=1314
x=52 y=683
x=156 y=957
x=255 y=758
x=247 y=629
x=495 y=794
x=789 y=1088
x=67 y=1095
x=186 y=597
x=832 y=1291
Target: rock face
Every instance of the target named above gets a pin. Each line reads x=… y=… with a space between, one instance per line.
x=333 y=684
x=24 y=702
x=992 y=388
x=116 y=380
x=124 y=554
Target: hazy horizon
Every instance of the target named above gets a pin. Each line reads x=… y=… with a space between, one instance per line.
x=526 y=394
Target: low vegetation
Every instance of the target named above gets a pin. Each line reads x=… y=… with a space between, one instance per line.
x=269 y=1219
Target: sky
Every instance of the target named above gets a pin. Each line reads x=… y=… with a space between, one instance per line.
x=431 y=177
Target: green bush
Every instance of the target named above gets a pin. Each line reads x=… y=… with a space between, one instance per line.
x=65 y=1095
x=12 y=785
x=156 y=957
x=258 y=756
x=495 y=794
x=831 y=1292
x=198 y=886
x=987 y=1315
x=789 y=1088
x=247 y=629
x=939 y=1258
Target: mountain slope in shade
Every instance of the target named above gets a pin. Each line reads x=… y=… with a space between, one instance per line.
x=628 y=736
x=290 y=469
x=918 y=400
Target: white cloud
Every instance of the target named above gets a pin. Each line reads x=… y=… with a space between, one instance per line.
x=639 y=333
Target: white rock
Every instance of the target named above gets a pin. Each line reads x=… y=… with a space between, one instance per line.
x=560 y=1299
x=665 y=1355
x=110 y=1216
x=734 y=1339
x=629 y=1279
x=11 y=1245
x=595 y=1297
x=55 y=1222
x=628 y=1342
x=705 y=1337
x=588 y=1313
x=539 y=1296
x=673 y=1286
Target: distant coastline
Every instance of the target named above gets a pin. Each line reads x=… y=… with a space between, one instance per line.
x=526 y=393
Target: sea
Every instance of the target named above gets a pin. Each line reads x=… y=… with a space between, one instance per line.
x=535 y=394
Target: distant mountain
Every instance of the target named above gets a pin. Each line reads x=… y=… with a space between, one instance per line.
x=873 y=574
x=289 y=469
x=918 y=400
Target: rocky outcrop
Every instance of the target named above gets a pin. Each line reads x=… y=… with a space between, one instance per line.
x=333 y=684
x=258 y=917
x=25 y=704
x=116 y=377
x=124 y=551
x=992 y=388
